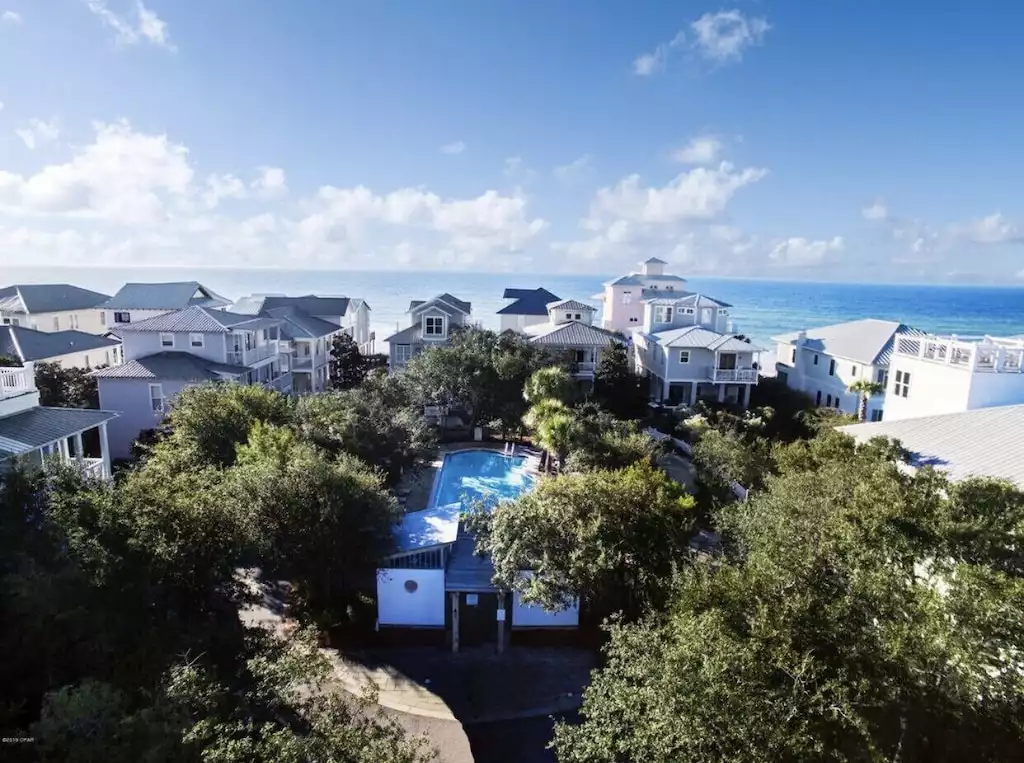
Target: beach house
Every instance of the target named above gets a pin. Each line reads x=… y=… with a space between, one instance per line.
x=931 y=375
x=352 y=315
x=823 y=362
x=623 y=298
x=687 y=347
x=526 y=307
x=430 y=324
x=52 y=307
x=32 y=434
x=136 y=302
x=176 y=349
x=68 y=349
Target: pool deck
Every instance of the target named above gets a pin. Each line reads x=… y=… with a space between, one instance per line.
x=415 y=490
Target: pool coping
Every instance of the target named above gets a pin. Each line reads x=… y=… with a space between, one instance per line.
x=431 y=500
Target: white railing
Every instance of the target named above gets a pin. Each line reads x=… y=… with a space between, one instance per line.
x=253 y=354
x=17 y=381
x=986 y=354
x=302 y=362
x=584 y=369
x=92 y=467
x=734 y=374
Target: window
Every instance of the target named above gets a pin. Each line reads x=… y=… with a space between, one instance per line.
x=633 y=319
x=817 y=399
x=577 y=317
x=10 y=321
x=56 y=323
x=684 y=356
x=580 y=356
x=670 y=288
x=167 y=340
x=433 y=325
x=103 y=317
x=902 y=387
x=156 y=397
x=74 y=321
x=837 y=402
x=627 y=297
x=662 y=313
x=402 y=353
x=196 y=340
x=568 y=316
x=832 y=367
x=828 y=400
x=687 y=311
x=853 y=370
x=815 y=360
x=122 y=317
x=882 y=377
x=792 y=359
x=876 y=415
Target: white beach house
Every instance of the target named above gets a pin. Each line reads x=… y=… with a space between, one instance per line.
x=823 y=362
x=67 y=349
x=52 y=307
x=431 y=323
x=526 y=307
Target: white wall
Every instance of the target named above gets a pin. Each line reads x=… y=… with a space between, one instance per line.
x=989 y=389
x=423 y=607
x=532 y=616
x=90 y=321
x=101 y=356
x=520 y=322
x=934 y=388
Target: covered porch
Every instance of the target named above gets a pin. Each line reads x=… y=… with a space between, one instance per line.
x=39 y=436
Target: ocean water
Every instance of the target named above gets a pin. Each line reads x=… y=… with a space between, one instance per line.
x=761 y=309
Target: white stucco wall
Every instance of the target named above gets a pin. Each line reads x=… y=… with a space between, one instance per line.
x=532 y=616
x=937 y=388
x=519 y=322
x=90 y=321
x=990 y=389
x=424 y=607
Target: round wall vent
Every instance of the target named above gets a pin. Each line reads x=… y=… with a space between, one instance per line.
x=411 y=586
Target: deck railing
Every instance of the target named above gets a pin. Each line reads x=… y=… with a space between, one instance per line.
x=734 y=374
x=17 y=381
x=984 y=354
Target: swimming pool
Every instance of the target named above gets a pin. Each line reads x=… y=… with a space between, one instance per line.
x=468 y=476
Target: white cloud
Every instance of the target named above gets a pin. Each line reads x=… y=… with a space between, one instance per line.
x=802 y=252
x=271 y=183
x=650 y=63
x=723 y=36
x=454 y=148
x=219 y=187
x=703 y=149
x=877 y=211
x=38 y=132
x=515 y=168
x=10 y=17
x=993 y=229
x=147 y=26
x=574 y=170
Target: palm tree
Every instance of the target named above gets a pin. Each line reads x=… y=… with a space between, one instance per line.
x=865 y=388
x=543 y=410
x=557 y=434
x=550 y=382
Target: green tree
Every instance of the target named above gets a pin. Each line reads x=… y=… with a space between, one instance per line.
x=864 y=616
x=723 y=456
x=66 y=387
x=550 y=383
x=616 y=387
x=864 y=389
x=612 y=538
x=348 y=366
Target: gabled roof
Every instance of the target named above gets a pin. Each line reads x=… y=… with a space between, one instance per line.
x=868 y=341
x=164 y=296
x=570 y=304
x=28 y=344
x=630 y=280
x=527 y=301
x=571 y=334
x=442 y=300
x=31 y=429
x=654 y=261
x=702 y=338
x=171 y=366
x=298 y=324
x=310 y=304
x=681 y=299
x=961 y=444
x=199 y=320
x=49 y=298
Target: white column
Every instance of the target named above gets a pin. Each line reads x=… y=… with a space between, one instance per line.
x=664 y=390
x=62 y=447
x=105 y=449
x=79 y=450
x=746 y=395
x=721 y=392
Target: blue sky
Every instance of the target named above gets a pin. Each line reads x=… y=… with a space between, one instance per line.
x=830 y=140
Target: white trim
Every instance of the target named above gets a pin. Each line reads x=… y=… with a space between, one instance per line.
x=192 y=340
x=687 y=354
x=444 y=327
x=159 y=389
x=163 y=339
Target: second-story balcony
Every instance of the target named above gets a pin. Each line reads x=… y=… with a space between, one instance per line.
x=253 y=355
x=733 y=375
x=17 y=381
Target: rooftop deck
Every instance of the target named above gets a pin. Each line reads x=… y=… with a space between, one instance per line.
x=985 y=354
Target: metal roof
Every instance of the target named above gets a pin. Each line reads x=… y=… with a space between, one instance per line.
x=630 y=280
x=300 y=325
x=164 y=296
x=49 y=298
x=654 y=261
x=868 y=341
x=199 y=320
x=701 y=300
x=527 y=301
x=467 y=570
x=985 y=442
x=700 y=337
x=570 y=304
x=442 y=300
x=571 y=334
x=31 y=429
x=308 y=303
x=28 y=344
x=406 y=335
x=172 y=366
x=430 y=527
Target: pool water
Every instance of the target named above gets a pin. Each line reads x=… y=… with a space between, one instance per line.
x=468 y=476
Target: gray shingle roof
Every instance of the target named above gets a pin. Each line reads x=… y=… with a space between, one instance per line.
x=31 y=429
x=49 y=298
x=198 y=320
x=986 y=442
x=571 y=334
x=172 y=366
x=527 y=301
x=570 y=304
x=164 y=296
x=700 y=337
x=630 y=280
x=28 y=344
x=868 y=341
x=301 y=325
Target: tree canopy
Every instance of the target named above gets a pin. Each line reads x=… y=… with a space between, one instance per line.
x=616 y=387
x=66 y=387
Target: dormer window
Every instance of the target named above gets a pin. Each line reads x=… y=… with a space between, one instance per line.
x=568 y=316
x=433 y=325
x=662 y=313
x=577 y=317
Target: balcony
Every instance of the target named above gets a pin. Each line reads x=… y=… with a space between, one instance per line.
x=15 y=382
x=733 y=375
x=254 y=355
x=301 y=362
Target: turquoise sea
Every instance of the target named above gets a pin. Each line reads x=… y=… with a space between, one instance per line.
x=761 y=309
